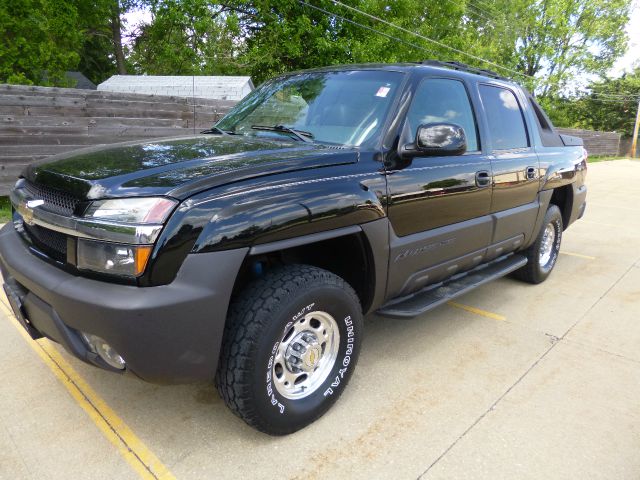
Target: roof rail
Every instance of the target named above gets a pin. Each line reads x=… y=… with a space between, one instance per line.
x=464 y=68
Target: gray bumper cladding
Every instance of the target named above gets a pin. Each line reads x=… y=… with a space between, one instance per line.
x=166 y=334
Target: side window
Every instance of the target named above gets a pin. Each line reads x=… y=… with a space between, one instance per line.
x=443 y=100
x=506 y=122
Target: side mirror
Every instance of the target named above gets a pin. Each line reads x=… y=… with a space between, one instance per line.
x=438 y=139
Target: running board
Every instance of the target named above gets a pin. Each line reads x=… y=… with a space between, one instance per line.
x=428 y=298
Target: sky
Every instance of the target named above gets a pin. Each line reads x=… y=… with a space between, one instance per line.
x=625 y=63
x=132 y=19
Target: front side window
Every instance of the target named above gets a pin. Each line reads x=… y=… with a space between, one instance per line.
x=505 y=119
x=442 y=100
x=345 y=108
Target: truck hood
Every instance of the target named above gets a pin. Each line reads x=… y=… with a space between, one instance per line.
x=178 y=167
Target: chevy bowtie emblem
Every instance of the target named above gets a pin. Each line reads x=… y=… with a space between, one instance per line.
x=27 y=213
x=35 y=203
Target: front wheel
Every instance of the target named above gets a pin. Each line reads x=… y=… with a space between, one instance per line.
x=543 y=253
x=290 y=346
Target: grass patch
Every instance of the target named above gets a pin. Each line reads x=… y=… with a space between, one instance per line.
x=5 y=209
x=596 y=159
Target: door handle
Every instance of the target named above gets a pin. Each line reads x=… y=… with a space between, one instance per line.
x=531 y=173
x=483 y=178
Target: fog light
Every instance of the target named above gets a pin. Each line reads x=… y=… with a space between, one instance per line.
x=104 y=350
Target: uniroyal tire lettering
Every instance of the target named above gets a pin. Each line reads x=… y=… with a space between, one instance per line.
x=347 y=357
x=306 y=309
x=272 y=398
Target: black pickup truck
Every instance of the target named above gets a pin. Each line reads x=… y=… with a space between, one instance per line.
x=249 y=254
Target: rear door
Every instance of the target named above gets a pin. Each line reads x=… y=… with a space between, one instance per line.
x=514 y=163
x=438 y=206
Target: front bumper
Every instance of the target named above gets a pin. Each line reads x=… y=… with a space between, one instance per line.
x=166 y=334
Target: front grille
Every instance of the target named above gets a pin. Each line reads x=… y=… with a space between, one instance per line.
x=50 y=242
x=55 y=201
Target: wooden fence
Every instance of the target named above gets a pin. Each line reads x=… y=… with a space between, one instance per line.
x=36 y=122
x=597 y=143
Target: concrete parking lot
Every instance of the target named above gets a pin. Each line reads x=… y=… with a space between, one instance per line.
x=511 y=381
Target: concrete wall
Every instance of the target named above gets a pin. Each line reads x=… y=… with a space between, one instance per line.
x=214 y=87
x=36 y=122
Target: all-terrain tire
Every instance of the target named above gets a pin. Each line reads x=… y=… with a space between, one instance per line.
x=543 y=253
x=280 y=321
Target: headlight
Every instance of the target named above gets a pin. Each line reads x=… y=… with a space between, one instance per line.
x=132 y=210
x=122 y=259
x=113 y=258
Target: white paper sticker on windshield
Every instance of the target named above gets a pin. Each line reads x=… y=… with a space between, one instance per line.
x=382 y=92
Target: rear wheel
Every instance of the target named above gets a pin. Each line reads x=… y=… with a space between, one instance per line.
x=543 y=253
x=290 y=346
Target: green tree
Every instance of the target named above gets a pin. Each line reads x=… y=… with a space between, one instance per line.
x=103 y=51
x=40 y=41
x=555 y=40
x=609 y=105
x=266 y=37
x=562 y=110
x=44 y=38
x=286 y=35
x=612 y=105
x=188 y=37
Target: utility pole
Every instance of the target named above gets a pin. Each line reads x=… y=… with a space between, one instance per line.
x=634 y=142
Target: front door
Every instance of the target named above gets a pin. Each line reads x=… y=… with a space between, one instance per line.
x=438 y=206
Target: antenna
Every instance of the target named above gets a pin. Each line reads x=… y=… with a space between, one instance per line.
x=193 y=99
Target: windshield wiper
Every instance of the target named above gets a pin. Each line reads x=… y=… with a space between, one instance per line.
x=299 y=134
x=218 y=131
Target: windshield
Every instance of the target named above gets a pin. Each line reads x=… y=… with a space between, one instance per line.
x=346 y=107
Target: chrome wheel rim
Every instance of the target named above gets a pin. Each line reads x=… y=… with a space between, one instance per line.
x=306 y=355
x=547 y=244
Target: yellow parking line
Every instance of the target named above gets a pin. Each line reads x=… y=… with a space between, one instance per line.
x=579 y=255
x=477 y=311
x=135 y=452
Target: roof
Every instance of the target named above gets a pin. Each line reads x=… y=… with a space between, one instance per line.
x=74 y=80
x=214 y=87
x=460 y=68
x=81 y=81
